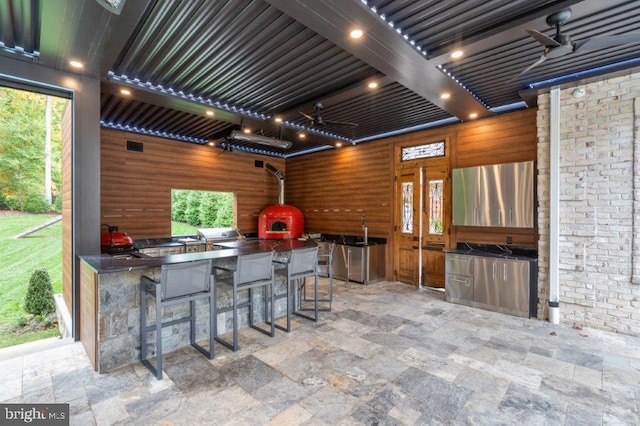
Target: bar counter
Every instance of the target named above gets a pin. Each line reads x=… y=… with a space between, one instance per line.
x=110 y=301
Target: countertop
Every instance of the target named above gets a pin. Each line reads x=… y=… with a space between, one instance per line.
x=496 y=251
x=108 y=264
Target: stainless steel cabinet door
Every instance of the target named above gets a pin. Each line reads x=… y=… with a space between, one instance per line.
x=518 y=190
x=341 y=262
x=514 y=286
x=357 y=264
x=485 y=281
x=465 y=196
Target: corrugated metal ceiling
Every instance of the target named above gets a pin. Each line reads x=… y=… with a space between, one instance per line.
x=251 y=62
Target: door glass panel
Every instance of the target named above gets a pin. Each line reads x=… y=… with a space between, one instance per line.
x=435 y=207
x=407 y=207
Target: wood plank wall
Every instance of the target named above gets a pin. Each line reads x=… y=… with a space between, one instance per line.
x=335 y=188
x=67 y=222
x=507 y=138
x=136 y=186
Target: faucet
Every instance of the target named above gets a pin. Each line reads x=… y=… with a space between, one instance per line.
x=364 y=229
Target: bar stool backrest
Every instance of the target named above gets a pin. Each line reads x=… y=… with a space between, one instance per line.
x=254 y=267
x=184 y=279
x=303 y=261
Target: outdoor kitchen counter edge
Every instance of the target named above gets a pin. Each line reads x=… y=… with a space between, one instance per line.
x=106 y=264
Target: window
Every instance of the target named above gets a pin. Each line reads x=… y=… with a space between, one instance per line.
x=200 y=209
x=407 y=207
x=429 y=150
x=435 y=206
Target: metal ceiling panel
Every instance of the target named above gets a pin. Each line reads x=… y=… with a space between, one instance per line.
x=20 y=28
x=239 y=52
x=493 y=74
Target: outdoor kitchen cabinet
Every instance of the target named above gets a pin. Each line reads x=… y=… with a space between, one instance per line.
x=502 y=284
x=499 y=195
x=492 y=283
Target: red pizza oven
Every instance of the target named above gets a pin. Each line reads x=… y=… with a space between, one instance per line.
x=280 y=221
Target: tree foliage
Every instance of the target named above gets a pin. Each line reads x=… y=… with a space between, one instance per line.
x=22 y=147
x=202 y=208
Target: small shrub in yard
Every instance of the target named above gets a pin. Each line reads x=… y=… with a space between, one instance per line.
x=39 y=300
x=36 y=203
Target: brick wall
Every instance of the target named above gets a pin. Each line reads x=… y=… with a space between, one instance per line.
x=599 y=247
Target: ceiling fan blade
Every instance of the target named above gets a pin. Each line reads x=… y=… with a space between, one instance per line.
x=544 y=40
x=606 y=41
x=307 y=116
x=533 y=65
x=340 y=123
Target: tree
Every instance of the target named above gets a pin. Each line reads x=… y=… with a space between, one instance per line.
x=22 y=144
x=39 y=299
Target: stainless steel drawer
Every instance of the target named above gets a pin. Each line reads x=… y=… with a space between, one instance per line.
x=459 y=264
x=459 y=288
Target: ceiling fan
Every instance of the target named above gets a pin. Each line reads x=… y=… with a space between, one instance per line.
x=317 y=120
x=561 y=44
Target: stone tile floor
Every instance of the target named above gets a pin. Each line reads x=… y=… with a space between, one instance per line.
x=386 y=354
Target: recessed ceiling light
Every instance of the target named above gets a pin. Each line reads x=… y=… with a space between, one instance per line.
x=246 y=130
x=456 y=54
x=373 y=85
x=356 y=33
x=125 y=91
x=210 y=113
x=302 y=135
x=212 y=144
x=445 y=96
x=76 y=64
x=278 y=120
x=473 y=115
x=338 y=144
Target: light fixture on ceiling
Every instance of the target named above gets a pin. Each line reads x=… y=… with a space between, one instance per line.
x=356 y=33
x=113 y=6
x=210 y=113
x=246 y=131
x=125 y=92
x=211 y=143
x=473 y=115
x=445 y=95
x=302 y=135
x=457 y=54
x=338 y=144
x=373 y=85
x=278 y=119
x=76 y=64
x=263 y=140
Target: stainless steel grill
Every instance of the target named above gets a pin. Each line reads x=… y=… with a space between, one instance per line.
x=212 y=236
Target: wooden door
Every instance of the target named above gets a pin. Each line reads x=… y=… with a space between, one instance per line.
x=406 y=226
x=436 y=224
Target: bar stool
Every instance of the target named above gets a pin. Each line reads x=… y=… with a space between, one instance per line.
x=301 y=264
x=325 y=269
x=252 y=271
x=179 y=283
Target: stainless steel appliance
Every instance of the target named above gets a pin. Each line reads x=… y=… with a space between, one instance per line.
x=359 y=263
x=211 y=236
x=500 y=195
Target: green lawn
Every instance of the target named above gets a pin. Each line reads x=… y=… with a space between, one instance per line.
x=180 y=229
x=20 y=257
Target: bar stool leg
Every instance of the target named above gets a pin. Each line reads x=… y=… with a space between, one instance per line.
x=212 y=322
x=143 y=323
x=158 y=335
x=235 y=317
